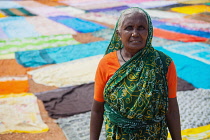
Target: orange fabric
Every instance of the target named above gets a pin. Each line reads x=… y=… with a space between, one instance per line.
x=7 y=87
x=9 y=67
x=177 y=36
x=109 y=64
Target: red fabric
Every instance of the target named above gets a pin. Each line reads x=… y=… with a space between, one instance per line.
x=177 y=36
x=109 y=64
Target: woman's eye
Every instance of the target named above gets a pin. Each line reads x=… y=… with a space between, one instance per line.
x=129 y=28
x=141 y=27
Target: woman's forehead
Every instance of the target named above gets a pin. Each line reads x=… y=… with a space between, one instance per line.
x=134 y=18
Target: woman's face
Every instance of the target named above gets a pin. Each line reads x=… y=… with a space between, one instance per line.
x=134 y=31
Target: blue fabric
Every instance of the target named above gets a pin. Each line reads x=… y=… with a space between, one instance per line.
x=195 y=50
x=17 y=27
x=204 y=55
x=191 y=70
x=119 y=8
x=37 y=58
x=183 y=30
x=157 y=22
x=79 y=25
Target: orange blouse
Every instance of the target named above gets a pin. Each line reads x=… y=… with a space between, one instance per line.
x=109 y=64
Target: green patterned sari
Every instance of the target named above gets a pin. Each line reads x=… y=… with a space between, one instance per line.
x=136 y=96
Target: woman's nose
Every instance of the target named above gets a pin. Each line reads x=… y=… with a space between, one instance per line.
x=135 y=33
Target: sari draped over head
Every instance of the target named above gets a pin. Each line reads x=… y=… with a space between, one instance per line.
x=136 y=96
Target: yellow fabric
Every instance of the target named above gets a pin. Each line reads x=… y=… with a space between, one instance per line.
x=194 y=9
x=202 y=132
x=20 y=113
x=2 y=15
x=195 y=1
x=70 y=73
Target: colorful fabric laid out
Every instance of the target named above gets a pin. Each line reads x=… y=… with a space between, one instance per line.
x=13 y=86
x=207 y=3
x=13 y=78
x=14 y=27
x=79 y=25
x=51 y=3
x=183 y=30
x=79 y=126
x=119 y=8
x=98 y=16
x=17 y=12
x=194 y=9
x=187 y=108
x=190 y=69
x=168 y=7
x=194 y=1
x=70 y=73
x=9 y=67
x=9 y=4
x=34 y=43
x=202 y=16
x=72 y=11
x=198 y=51
x=164 y=14
x=46 y=11
x=89 y=4
x=20 y=113
x=183 y=85
x=30 y=3
x=3 y=34
x=104 y=33
x=177 y=36
x=136 y=1
x=67 y=101
x=156 y=41
x=45 y=26
x=101 y=5
x=152 y=4
x=2 y=15
x=194 y=110
x=199 y=133
x=191 y=24
x=54 y=133
x=56 y=55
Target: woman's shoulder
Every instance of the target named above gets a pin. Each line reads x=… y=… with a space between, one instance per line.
x=112 y=56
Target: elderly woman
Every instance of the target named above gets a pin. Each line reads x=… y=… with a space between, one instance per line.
x=135 y=85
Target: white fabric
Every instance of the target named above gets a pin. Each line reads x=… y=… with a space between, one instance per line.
x=10 y=78
x=74 y=72
x=20 y=113
x=46 y=26
x=100 y=17
x=164 y=14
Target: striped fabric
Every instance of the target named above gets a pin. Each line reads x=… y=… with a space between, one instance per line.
x=17 y=12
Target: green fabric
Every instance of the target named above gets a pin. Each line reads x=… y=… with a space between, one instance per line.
x=35 y=43
x=9 y=12
x=136 y=96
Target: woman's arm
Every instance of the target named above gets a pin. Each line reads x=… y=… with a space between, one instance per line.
x=96 y=121
x=173 y=119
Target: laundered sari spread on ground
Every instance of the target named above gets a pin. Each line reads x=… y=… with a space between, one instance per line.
x=136 y=96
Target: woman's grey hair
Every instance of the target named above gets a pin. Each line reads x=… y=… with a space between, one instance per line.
x=127 y=12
